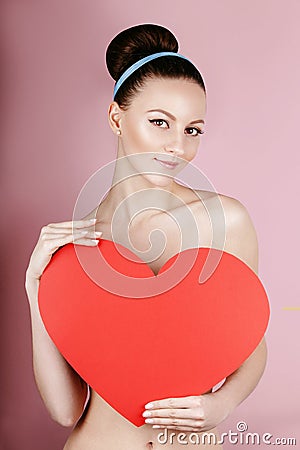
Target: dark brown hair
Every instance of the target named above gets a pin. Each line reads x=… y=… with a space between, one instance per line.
x=139 y=41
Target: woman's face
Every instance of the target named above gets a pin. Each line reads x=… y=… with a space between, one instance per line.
x=162 y=124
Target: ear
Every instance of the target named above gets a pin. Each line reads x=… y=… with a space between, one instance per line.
x=114 y=116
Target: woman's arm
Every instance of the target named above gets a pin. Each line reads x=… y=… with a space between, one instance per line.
x=241 y=241
x=243 y=381
x=62 y=390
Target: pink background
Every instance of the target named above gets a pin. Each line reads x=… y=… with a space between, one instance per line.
x=55 y=91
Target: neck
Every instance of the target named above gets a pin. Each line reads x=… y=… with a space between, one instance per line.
x=132 y=194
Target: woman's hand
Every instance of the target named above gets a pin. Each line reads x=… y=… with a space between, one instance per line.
x=55 y=235
x=194 y=413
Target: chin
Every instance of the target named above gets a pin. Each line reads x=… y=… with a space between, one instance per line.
x=159 y=180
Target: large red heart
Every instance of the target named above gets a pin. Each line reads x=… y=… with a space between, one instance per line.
x=180 y=342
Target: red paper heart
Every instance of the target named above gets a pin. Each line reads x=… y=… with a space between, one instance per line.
x=133 y=350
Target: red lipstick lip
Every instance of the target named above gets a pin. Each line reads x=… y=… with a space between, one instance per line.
x=169 y=164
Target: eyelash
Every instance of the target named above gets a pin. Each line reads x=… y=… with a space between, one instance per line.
x=190 y=128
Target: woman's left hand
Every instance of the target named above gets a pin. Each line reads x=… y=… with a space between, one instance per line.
x=193 y=413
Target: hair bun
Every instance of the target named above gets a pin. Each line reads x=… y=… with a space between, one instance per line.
x=134 y=43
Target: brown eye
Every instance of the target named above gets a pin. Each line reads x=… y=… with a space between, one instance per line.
x=198 y=131
x=158 y=120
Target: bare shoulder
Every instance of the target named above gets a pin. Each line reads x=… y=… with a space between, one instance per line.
x=241 y=237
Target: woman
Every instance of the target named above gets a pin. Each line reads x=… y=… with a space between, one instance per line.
x=158 y=115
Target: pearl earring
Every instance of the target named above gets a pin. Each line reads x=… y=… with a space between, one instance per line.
x=119 y=132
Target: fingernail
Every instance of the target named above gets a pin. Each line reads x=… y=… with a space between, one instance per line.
x=92 y=220
x=83 y=232
x=95 y=241
x=149 y=405
x=98 y=233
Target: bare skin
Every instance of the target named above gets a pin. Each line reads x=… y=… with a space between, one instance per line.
x=99 y=426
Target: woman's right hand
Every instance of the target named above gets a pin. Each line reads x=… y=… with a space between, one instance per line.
x=55 y=235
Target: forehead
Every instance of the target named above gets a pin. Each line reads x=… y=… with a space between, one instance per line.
x=178 y=96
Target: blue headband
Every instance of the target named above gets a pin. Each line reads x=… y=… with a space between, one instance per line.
x=140 y=63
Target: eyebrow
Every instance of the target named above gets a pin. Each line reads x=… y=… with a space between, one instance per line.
x=171 y=115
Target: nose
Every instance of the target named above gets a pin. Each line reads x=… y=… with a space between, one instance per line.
x=175 y=144
x=176 y=150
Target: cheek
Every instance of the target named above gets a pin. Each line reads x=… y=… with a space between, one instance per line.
x=191 y=151
x=137 y=137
